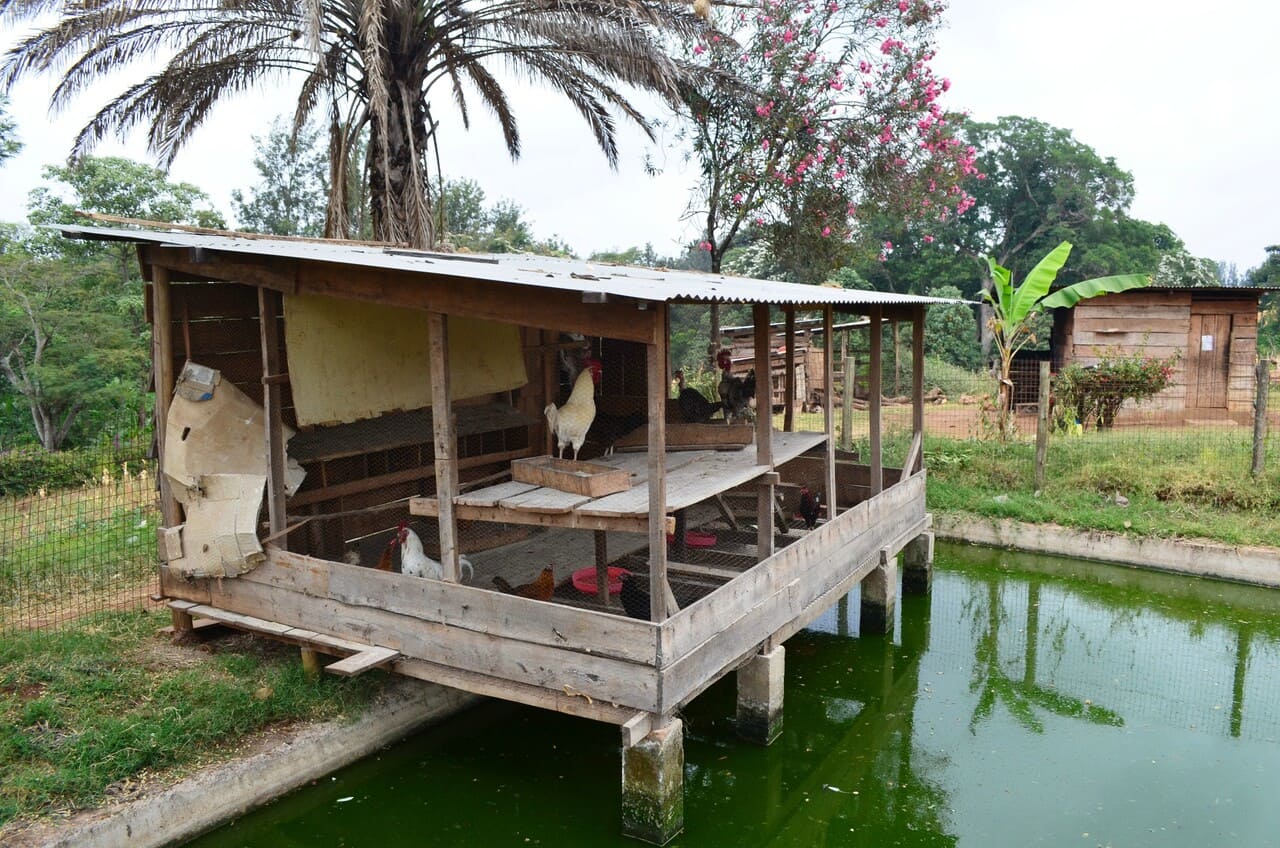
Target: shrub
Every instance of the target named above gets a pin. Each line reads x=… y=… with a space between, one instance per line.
x=1094 y=393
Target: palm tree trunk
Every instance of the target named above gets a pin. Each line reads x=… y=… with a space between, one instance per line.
x=399 y=201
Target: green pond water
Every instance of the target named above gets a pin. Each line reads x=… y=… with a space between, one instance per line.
x=1028 y=701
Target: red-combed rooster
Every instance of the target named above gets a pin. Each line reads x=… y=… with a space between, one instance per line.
x=571 y=421
x=810 y=507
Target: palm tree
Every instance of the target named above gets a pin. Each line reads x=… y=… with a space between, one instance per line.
x=372 y=66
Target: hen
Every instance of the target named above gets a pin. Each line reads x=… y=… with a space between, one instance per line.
x=694 y=406
x=634 y=596
x=571 y=421
x=541 y=588
x=735 y=392
x=415 y=562
x=810 y=507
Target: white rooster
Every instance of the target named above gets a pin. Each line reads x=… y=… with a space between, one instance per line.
x=571 y=421
x=415 y=562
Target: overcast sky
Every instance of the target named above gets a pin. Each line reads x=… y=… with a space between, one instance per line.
x=1183 y=96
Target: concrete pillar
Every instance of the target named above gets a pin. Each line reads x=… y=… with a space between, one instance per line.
x=879 y=597
x=917 y=565
x=653 y=785
x=760 y=684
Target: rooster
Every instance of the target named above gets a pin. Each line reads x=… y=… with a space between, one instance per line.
x=810 y=507
x=735 y=392
x=541 y=588
x=694 y=406
x=415 y=562
x=571 y=421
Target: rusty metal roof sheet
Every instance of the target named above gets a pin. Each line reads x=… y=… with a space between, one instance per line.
x=590 y=278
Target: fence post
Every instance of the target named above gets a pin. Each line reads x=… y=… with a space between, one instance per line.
x=1263 y=378
x=850 y=375
x=1042 y=424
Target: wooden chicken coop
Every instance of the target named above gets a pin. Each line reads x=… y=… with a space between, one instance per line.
x=318 y=400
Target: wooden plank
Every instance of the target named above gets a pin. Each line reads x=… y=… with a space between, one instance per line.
x=828 y=412
x=544 y=500
x=597 y=676
x=789 y=375
x=493 y=495
x=710 y=572
x=1122 y=315
x=1110 y=323
x=307 y=497
x=430 y=507
x=273 y=424
x=399 y=430
x=446 y=442
x=357 y=664
x=567 y=475
x=274 y=272
x=656 y=371
x=917 y=388
x=1135 y=337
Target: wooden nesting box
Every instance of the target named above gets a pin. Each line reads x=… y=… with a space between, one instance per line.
x=568 y=475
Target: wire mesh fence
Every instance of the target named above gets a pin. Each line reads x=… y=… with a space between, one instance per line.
x=77 y=531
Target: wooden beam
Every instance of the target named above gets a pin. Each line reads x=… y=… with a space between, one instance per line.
x=789 y=377
x=764 y=430
x=828 y=413
x=874 y=398
x=404 y=475
x=273 y=424
x=446 y=443
x=917 y=380
x=430 y=507
x=162 y=363
x=273 y=272
x=656 y=370
x=370 y=658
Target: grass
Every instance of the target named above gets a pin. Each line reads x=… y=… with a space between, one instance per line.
x=85 y=712
x=1186 y=483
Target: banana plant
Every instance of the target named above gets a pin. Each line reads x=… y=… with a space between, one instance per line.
x=1014 y=308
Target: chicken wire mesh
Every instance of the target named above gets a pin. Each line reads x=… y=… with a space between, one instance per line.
x=77 y=531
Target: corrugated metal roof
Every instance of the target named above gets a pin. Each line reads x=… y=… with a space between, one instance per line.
x=651 y=284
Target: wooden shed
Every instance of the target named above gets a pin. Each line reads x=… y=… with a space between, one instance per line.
x=1213 y=332
x=316 y=400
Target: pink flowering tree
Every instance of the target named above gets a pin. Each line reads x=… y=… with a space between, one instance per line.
x=812 y=112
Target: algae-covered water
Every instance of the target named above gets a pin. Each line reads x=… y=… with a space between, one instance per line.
x=1028 y=701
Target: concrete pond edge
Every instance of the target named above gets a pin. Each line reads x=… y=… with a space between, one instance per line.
x=1256 y=565
x=221 y=793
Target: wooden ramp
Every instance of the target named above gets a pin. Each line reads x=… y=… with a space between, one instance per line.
x=359 y=658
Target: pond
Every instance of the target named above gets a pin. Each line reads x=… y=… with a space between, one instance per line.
x=1028 y=701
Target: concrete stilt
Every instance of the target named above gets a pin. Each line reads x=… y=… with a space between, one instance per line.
x=760 y=684
x=917 y=565
x=879 y=597
x=653 y=785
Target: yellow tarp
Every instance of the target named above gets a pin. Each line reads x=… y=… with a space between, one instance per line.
x=350 y=360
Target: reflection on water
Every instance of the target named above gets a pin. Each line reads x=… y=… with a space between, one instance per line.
x=1028 y=701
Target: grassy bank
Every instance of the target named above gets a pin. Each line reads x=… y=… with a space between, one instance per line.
x=1190 y=484
x=86 y=714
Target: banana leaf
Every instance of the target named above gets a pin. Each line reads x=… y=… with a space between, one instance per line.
x=1036 y=284
x=1073 y=294
x=1001 y=279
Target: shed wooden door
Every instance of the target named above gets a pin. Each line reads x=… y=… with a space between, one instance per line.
x=1208 y=353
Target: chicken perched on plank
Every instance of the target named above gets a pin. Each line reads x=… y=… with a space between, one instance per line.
x=415 y=562
x=736 y=393
x=810 y=507
x=571 y=421
x=541 y=588
x=694 y=406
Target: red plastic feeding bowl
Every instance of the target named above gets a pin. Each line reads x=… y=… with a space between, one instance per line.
x=584 y=579
x=695 y=539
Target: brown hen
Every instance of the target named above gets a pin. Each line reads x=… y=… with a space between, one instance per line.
x=540 y=589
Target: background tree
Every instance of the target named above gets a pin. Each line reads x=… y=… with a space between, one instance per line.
x=291 y=196
x=1268 y=274
x=9 y=143
x=115 y=186
x=365 y=65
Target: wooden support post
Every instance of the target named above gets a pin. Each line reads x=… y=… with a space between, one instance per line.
x=311 y=663
x=874 y=397
x=269 y=337
x=849 y=368
x=760 y=687
x=764 y=431
x=550 y=385
x=602 y=567
x=917 y=565
x=653 y=785
x=446 y=443
x=713 y=345
x=655 y=365
x=789 y=375
x=162 y=369
x=1042 y=424
x=917 y=381
x=828 y=413
x=1263 y=384
x=897 y=358
x=879 y=597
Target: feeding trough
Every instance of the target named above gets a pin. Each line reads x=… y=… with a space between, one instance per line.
x=584 y=579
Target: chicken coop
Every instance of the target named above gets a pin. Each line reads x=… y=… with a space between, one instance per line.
x=361 y=454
